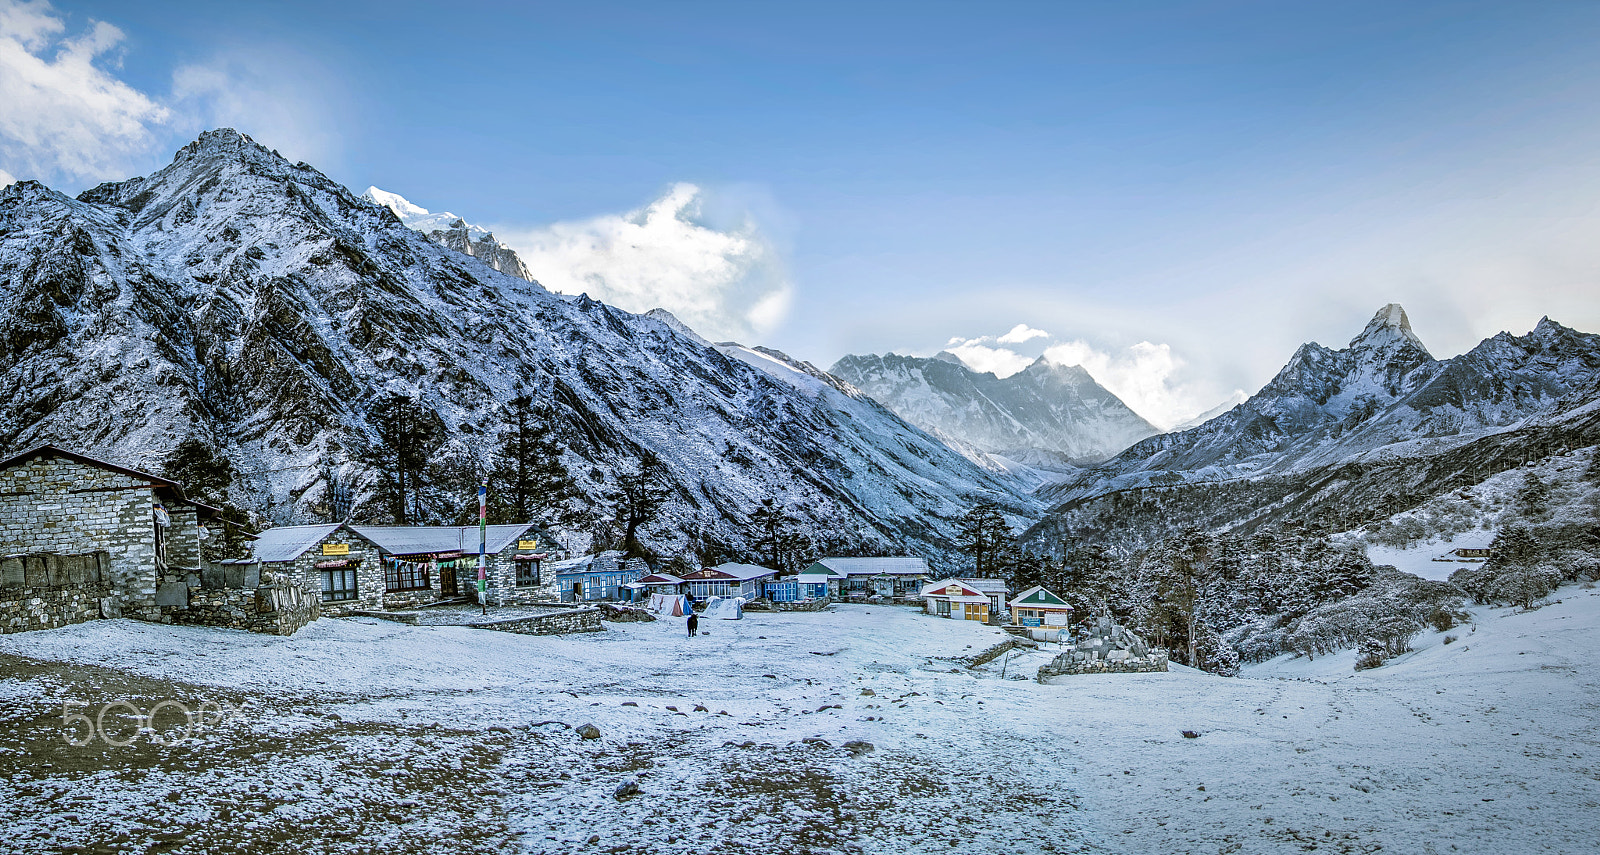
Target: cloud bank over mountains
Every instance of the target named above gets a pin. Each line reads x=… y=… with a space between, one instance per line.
x=68 y=117
x=723 y=283
x=61 y=110
x=1148 y=377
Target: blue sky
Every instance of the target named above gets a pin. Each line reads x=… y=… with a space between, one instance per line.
x=1178 y=194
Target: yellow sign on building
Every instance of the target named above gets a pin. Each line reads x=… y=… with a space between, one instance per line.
x=527 y=544
x=335 y=549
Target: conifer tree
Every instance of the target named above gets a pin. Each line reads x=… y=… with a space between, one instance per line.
x=984 y=536
x=408 y=435
x=642 y=488
x=528 y=477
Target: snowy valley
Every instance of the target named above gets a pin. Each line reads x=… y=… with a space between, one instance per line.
x=1375 y=577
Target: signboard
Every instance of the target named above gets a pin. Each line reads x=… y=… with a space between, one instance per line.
x=1030 y=621
x=953 y=591
x=527 y=544
x=335 y=549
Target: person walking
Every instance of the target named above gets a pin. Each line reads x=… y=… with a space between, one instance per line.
x=694 y=623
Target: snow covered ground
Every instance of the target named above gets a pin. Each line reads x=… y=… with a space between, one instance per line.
x=1419 y=558
x=357 y=735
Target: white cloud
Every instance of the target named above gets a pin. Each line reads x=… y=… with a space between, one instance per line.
x=1021 y=333
x=7 y=178
x=724 y=284
x=999 y=361
x=1145 y=376
x=61 y=111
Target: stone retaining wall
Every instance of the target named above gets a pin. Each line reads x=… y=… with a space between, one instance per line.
x=1065 y=665
x=47 y=591
x=803 y=605
x=237 y=596
x=555 y=623
x=396 y=601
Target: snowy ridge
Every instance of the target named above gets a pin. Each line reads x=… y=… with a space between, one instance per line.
x=447 y=229
x=1372 y=398
x=1355 y=435
x=264 y=308
x=1044 y=407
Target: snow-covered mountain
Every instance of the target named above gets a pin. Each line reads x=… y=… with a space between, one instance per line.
x=1350 y=432
x=257 y=305
x=447 y=229
x=1056 y=409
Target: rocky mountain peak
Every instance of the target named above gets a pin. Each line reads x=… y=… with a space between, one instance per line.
x=1388 y=327
x=449 y=230
x=1059 y=410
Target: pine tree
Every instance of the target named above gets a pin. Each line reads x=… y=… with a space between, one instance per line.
x=528 y=478
x=642 y=487
x=1533 y=499
x=408 y=435
x=985 y=536
x=1186 y=576
x=205 y=477
x=772 y=524
x=196 y=465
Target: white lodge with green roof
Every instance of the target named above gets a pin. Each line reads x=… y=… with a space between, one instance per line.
x=1038 y=607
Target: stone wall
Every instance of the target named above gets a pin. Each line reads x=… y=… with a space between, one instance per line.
x=501 y=576
x=237 y=596
x=1068 y=664
x=183 y=536
x=556 y=623
x=401 y=600
x=47 y=591
x=802 y=605
x=60 y=506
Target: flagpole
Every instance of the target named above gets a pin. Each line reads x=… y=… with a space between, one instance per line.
x=483 y=540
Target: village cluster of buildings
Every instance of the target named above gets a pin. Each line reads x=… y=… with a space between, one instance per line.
x=144 y=535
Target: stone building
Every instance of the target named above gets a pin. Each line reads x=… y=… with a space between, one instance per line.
x=82 y=539
x=58 y=502
x=426 y=563
x=331 y=561
x=372 y=568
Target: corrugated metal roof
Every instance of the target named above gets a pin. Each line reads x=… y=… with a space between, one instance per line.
x=895 y=566
x=288 y=542
x=569 y=565
x=421 y=539
x=987 y=586
x=969 y=594
x=743 y=572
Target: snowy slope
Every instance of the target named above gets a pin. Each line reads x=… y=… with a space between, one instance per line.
x=262 y=307
x=1044 y=407
x=868 y=423
x=447 y=229
x=1483 y=745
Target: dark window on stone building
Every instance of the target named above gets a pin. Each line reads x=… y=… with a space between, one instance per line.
x=406 y=576
x=338 y=584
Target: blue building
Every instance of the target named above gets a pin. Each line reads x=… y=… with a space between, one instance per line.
x=603 y=576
